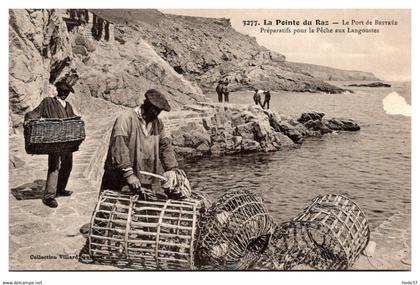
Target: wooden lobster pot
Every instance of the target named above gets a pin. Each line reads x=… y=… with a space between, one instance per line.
x=129 y=232
x=329 y=235
x=234 y=232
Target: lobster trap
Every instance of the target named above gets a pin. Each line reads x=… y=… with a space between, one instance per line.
x=234 y=232
x=150 y=235
x=328 y=235
x=46 y=136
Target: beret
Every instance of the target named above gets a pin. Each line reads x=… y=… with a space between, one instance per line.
x=63 y=85
x=157 y=99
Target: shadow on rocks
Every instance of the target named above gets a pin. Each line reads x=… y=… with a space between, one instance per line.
x=29 y=191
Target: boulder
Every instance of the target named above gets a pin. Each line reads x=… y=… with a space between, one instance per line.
x=317 y=126
x=310 y=116
x=283 y=141
x=204 y=148
x=342 y=125
x=246 y=131
x=184 y=152
x=275 y=120
x=291 y=132
x=250 y=145
x=241 y=118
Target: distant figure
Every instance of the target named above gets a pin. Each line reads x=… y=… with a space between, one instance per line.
x=222 y=90
x=257 y=97
x=267 y=99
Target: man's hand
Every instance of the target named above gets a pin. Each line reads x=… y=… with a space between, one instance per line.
x=170 y=179
x=133 y=182
x=177 y=185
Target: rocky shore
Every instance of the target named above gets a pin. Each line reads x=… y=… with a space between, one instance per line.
x=232 y=128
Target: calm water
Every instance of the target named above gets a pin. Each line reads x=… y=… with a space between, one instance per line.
x=372 y=166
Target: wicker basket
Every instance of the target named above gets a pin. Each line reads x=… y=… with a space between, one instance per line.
x=234 y=232
x=328 y=235
x=45 y=136
x=150 y=235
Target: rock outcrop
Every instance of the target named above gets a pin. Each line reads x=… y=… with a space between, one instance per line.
x=372 y=85
x=48 y=45
x=333 y=74
x=233 y=129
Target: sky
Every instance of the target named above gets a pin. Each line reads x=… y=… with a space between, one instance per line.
x=387 y=54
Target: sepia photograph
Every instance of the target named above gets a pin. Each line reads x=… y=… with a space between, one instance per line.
x=209 y=140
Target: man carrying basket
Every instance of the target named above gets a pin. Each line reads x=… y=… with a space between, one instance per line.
x=59 y=163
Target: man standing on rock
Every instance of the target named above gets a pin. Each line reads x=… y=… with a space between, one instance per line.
x=257 y=97
x=138 y=143
x=59 y=164
x=267 y=98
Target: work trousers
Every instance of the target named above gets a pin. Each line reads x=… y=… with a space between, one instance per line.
x=220 y=97
x=227 y=97
x=268 y=104
x=59 y=168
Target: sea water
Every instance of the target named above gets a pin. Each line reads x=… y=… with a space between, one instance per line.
x=372 y=166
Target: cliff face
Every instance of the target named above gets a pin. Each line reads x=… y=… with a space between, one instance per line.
x=40 y=53
x=49 y=45
x=205 y=50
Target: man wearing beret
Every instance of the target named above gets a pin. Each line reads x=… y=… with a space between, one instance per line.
x=59 y=164
x=138 y=143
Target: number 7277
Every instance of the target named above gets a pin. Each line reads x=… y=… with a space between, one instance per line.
x=250 y=22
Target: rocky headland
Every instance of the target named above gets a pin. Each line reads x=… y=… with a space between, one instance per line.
x=372 y=85
x=333 y=74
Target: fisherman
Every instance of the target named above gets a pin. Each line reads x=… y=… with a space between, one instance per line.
x=267 y=98
x=257 y=97
x=226 y=91
x=138 y=142
x=222 y=91
x=60 y=163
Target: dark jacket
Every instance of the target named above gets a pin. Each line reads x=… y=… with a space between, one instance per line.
x=50 y=108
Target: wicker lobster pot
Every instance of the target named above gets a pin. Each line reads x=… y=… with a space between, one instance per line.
x=328 y=235
x=234 y=232
x=140 y=234
x=46 y=136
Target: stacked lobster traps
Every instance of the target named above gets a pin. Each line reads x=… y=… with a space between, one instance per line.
x=235 y=232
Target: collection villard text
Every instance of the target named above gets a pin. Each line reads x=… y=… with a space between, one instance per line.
x=49 y=257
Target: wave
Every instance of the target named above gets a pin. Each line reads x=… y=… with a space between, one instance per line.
x=395 y=104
